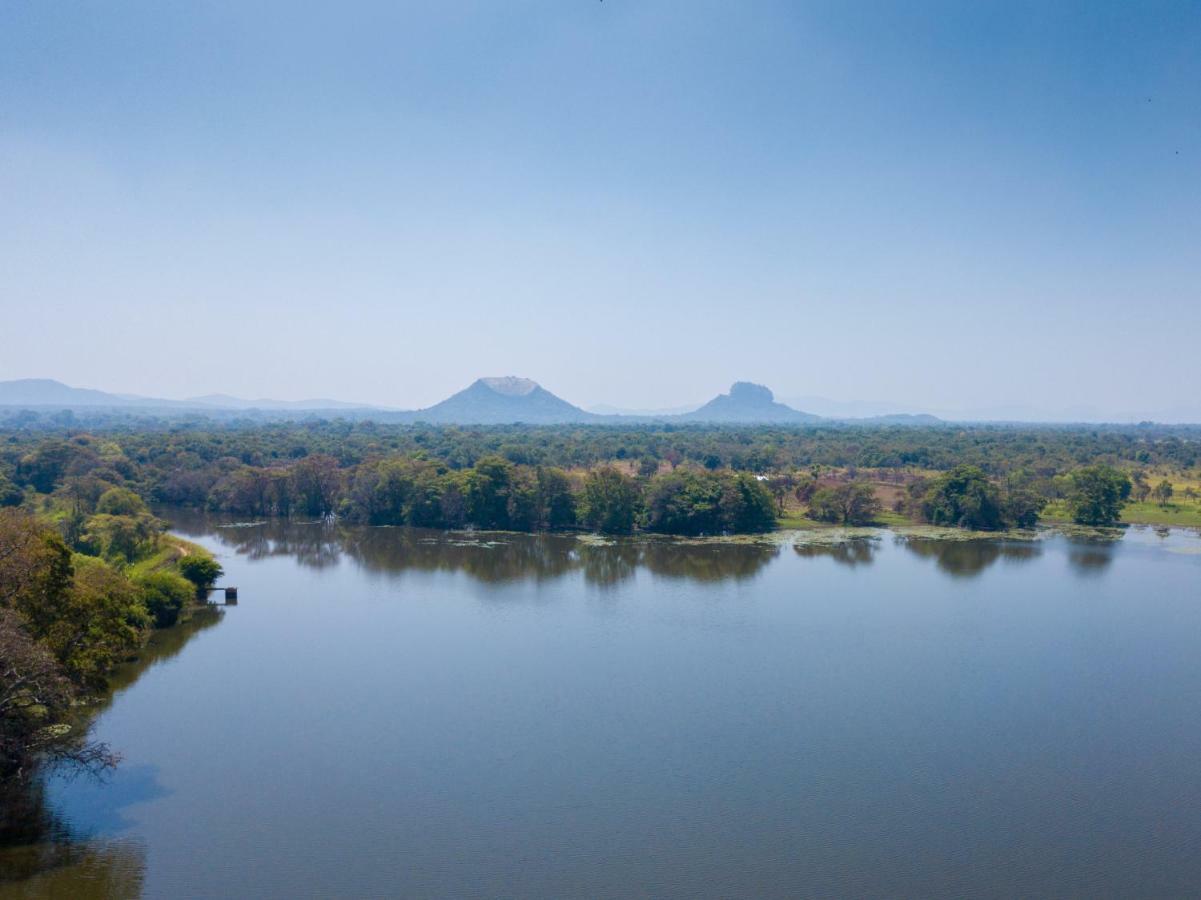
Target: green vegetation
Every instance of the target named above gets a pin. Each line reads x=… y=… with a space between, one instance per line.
x=965 y=497
x=615 y=479
x=852 y=503
x=165 y=595
x=82 y=585
x=1180 y=515
x=201 y=571
x=611 y=501
x=1097 y=494
x=700 y=502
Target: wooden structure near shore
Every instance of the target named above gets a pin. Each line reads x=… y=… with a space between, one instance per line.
x=231 y=594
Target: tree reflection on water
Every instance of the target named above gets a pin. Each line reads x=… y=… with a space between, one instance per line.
x=48 y=853
x=853 y=552
x=490 y=557
x=968 y=558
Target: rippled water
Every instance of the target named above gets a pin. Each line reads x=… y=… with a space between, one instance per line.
x=392 y=712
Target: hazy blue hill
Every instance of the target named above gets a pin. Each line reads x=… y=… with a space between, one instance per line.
x=225 y=401
x=748 y=403
x=499 y=401
x=47 y=392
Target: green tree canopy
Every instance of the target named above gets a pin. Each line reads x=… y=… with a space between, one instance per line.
x=202 y=571
x=121 y=502
x=965 y=498
x=1097 y=495
x=850 y=503
x=611 y=501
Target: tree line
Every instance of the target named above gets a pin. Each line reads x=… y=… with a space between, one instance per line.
x=496 y=492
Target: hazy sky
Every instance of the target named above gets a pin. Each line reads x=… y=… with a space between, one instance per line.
x=635 y=202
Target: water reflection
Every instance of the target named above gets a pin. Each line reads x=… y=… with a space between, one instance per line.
x=491 y=557
x=1090 y=557
x=608 y=565
x=315 y=545
x=499 y=558
x=968 y=558
x=41 y=855
x=56 y=851
x=856 y=552
x=462 y=734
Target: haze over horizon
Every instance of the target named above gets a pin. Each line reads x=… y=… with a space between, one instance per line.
x=951 y=208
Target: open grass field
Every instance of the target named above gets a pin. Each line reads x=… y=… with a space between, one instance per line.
x=887 y=493
x=1180 y=513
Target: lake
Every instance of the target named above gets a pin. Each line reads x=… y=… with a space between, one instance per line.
x=392 y=712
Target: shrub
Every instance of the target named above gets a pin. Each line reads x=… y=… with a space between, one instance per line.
x=165 y=595
x=202 y=571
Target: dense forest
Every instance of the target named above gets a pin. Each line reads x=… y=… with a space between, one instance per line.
x=198 y=442
x=663 y=478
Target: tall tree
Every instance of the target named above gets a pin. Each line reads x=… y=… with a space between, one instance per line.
x=610 y=502
x=850 y=503
x=1097 y=495
x=963 y=497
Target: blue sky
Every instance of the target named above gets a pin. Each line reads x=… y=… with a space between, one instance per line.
x=946 y=206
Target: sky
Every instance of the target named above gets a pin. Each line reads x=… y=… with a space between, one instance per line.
x=938 y=206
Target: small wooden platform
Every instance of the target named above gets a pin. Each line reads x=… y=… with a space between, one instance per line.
x=231 y=594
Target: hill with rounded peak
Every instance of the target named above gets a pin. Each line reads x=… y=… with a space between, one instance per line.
x=747 y=403
x=510 y=385
x=502 y=401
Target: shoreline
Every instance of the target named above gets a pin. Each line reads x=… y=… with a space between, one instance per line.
x=817 y=534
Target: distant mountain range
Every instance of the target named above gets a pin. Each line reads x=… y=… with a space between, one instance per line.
x=487 y=401
x=45 y=392
x=503 y=400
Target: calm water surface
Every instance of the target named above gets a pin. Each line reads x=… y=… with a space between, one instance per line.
x=401 y=713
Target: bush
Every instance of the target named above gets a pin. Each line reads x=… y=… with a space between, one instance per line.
x=202 y=571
